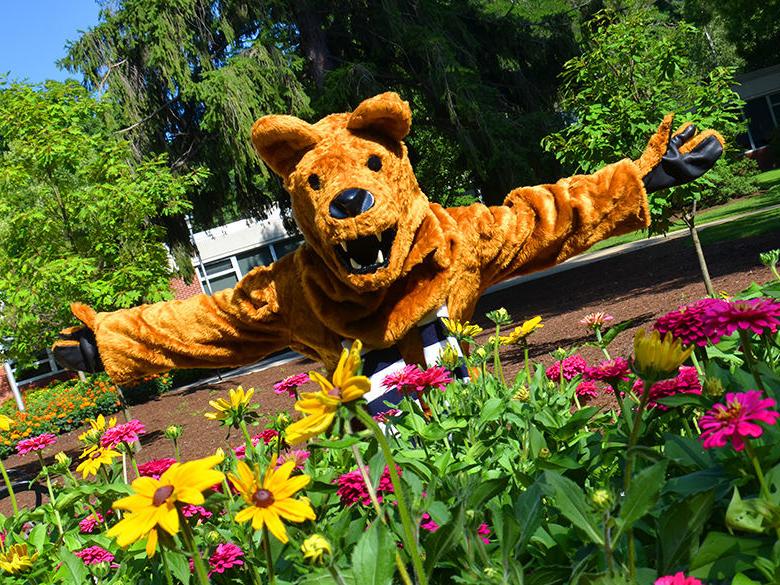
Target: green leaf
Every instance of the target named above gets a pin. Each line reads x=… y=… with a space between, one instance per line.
x=179 y=565
x=571 y=502
x=679 y=528
x=721 y=556
x=528 y=509
x=741 y=579
x=323 y=577
x=485 y=491
x=373 y=559
x=344 y=443
x=75 y=567
x=745 y=515
x=642 y=494
x=491 y=410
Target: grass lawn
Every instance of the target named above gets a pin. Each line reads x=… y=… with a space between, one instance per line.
x=769 y=178
x=735 y=207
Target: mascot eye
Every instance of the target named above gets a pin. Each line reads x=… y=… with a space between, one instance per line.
x=374 y=163
x=314 y=182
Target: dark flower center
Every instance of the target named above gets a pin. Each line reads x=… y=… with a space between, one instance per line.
x=731 y=412
x=336 y=392
x=162 y=494
x=263 y=498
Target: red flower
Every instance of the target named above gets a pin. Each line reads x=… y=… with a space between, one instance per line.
x=693 y=324
x=757 y=315
x=35 y=443
x=484 y=532
x=573 y=366
x=611 y=371
x=428 y=524
x=290 y=384
x=94 y=555
x=587 y=389
x=737 y=419
x=88 y=524
x=156 y=467
x=686 y=382
x=411 y=379
x=352 y=489
x=677 y=579
x=227 y=556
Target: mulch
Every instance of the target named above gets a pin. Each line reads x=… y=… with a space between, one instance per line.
x=638 y=286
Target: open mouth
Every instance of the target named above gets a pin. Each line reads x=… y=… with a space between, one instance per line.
x=366 y=254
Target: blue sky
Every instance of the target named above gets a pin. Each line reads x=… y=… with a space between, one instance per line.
x=33 y=34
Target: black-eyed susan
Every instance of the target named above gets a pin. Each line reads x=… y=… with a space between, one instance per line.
x=17 y=559
x=315 y=548
x=461 y=331
x=154 y=504
x=271 y=501
x=319 y=408
x=657 y=358
x=94 y=458
x=522 y=332
x=235 y=409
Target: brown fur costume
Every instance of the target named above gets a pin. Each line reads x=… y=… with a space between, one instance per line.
x=309 y=301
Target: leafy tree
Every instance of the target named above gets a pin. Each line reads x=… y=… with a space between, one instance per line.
x=75 y=216
x=635 y=67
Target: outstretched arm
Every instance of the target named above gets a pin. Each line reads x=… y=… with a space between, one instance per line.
x=230 y=328
x=540 y=226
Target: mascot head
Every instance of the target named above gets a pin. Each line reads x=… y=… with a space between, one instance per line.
x=354 y=194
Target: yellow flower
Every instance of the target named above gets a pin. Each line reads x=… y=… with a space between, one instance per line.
x=17 y=559
x=272 y=501
x=461 y=330
x=237 y=402
x=153 y=505
x=94 y=459
x=523 y=331
x=5 y=422
x=315 y=548
x=97 y=427
x=450 y=358
x=655 y=358
x=319 y=408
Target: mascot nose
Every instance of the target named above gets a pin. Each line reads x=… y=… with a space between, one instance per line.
x=351 y=203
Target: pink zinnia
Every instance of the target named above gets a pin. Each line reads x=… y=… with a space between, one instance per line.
x=125 y=433
x=94 y=555
x=352 y=489
x=298 y=455
x=268 y=435
x=693 y=324
x=611 y=371
x=290 y=384
x=737 y=419
x=156 y=467
x=596 y=320
x=406 y=380
x=678 y=579
x=757 y=315
x=38 y=443
x=428 y=524
x=190 y=510
x=90 y=523
x=686 y=382
x=484 y=532
x=227 y=556
x=587 y=389
x=435 y=378
x=572 y=366
x=386 y=416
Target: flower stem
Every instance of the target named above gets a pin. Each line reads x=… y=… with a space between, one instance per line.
x=189 y=542
x=526 y=366
x=600 y=341
x=176 y=450
x=334 y=572
x=10 y=488
x=747 y=351
x=130 y=450
x=367 y=480
x=409 y=539
x=247 y=439
x=52 y=500
x=497 y=371
x=166 y=568
x=759 y=473
x=269 y=561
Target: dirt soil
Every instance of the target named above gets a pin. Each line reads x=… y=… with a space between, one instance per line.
x=639 y=285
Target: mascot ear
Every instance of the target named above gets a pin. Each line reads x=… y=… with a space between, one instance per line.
x=281 y=141
x=385 y=114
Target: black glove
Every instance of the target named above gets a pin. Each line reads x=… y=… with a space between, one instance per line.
x=676 y=168
x=77 y=350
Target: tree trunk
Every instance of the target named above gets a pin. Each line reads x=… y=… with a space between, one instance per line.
x=313 y=41
x=690 y=220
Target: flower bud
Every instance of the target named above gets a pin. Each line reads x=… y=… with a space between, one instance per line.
x=173 y=432
x=602 y=499
x=213 y=537
x=499 y=316
x=449 y=357
x=544 y=453
x=315 y=548
x=523 y=394
x=282 y=419
x=62 y=459
x=100 y=570
x=713 y=388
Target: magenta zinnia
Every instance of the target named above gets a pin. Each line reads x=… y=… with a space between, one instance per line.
x=38 y=443
x=677 y=579
x=427 y=523
x=298 y=455
x=693 y=324
x=611 y=371
x=737 y=419
x=227 y=556
x=406 y=379
x=94 y=555
x=686 y=382
x=484 y=532
x=126 y=433
x=572 y=366
x=587 y=389
x=352 y=489
x=290 y=384
x=90 y=523
x=757 y=315
x=156 y=467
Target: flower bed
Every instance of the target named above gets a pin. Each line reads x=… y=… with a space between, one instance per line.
x=478 y=482
x=57 y=408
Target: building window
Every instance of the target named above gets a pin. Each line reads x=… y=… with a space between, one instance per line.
x=763 y=115
x=226 y=272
